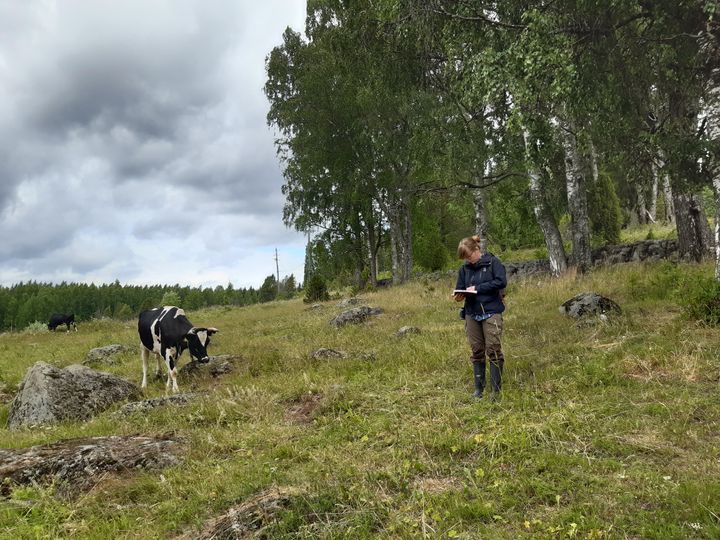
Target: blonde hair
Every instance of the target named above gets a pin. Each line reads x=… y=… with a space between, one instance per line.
x=467 y=246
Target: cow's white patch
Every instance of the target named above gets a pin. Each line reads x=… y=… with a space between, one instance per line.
x=202 y=336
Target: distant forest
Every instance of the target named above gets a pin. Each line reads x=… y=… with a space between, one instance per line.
x=26 y=303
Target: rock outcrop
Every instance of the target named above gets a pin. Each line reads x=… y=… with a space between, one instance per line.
x=588 y=304
x=106 y=355
x=354 y=316
x=248 y=519
x=77 y=464
x=147 y=404
x=216 y=366
x=49 y=394
x=407 y=330
x=327 y=353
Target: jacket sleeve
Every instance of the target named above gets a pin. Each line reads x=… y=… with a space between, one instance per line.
x=499 y=280
x=461 y=279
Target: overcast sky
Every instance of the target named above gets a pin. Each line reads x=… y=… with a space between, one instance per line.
x=133 y=142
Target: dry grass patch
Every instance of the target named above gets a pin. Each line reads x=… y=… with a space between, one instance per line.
x=434 y=484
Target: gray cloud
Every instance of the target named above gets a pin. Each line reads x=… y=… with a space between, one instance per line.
x=140 y=126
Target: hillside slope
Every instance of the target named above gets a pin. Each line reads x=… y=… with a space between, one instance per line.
x=604 y=431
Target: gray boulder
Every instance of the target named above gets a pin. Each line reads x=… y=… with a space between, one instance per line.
x=48 y=395
x=328 y=353
x=148 y=404
x=406 y=330
x=216 y=366
x=77 y=464
x=354 y=316
x=588 y=304
x=106 y=355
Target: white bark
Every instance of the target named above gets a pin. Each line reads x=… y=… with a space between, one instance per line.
x=669 y=216
x=668 y=196
x=543 y=216
x=641 y=206
x=481 y=223
x=716 y=189
x=652 y=210
x=576 y=194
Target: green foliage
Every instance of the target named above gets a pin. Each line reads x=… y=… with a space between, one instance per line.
x=316 y=290
x=510 y=214
x=24 y=303
x=269 y=289
x=123 y=312
x=666 y=282
x=428 y=249
x=170 y=298
x=604 y=210
x=36 y=327
x=702 y=300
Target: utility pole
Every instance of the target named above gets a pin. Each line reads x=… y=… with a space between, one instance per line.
x=277 y=269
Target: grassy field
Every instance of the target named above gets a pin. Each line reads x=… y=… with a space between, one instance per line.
x=605 y=431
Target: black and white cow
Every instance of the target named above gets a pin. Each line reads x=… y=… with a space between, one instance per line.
x=167 y=332
x=57 y=319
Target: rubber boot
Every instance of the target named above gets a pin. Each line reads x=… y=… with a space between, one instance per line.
x=496 y=369
x=479 y=376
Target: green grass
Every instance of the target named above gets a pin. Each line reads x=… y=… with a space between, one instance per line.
x=603 y=432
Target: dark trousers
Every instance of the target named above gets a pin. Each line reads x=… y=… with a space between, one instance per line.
x=484 y=339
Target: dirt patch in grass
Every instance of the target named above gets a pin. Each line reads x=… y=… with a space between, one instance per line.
x=303 y=409
x=434 y=484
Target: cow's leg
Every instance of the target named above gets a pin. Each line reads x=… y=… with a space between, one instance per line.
x=144 y=355
x=158 y=369
x=173 y=373
x=170 y=361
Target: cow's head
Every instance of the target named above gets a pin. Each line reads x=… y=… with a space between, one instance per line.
x=198 y=340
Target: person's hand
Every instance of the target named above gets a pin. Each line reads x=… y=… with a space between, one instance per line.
x=459 y=297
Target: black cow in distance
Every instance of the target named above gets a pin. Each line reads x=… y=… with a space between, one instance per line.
x=58 y=319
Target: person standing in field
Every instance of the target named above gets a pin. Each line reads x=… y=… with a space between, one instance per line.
x=484 y=280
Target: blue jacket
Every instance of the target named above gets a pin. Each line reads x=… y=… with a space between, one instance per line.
x=488 y=276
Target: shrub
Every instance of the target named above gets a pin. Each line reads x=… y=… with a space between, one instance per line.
x=36 y=327
x=702 y=301
x=316 y=290
x=170 y=298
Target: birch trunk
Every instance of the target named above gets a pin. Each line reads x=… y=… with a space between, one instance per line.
x=481 y=224
x=716 y=189
x=577 y=196
x=400 y=222
x=652 y=210
x=668 y=196
x=407 y=241
x=640 y=206
x=669 y=215
x=372 y=254
x=694 y=236
x=394 y=258
x=543 y=216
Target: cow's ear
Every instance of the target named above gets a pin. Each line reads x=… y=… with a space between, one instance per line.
x=192 y=331
x=211 y=331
